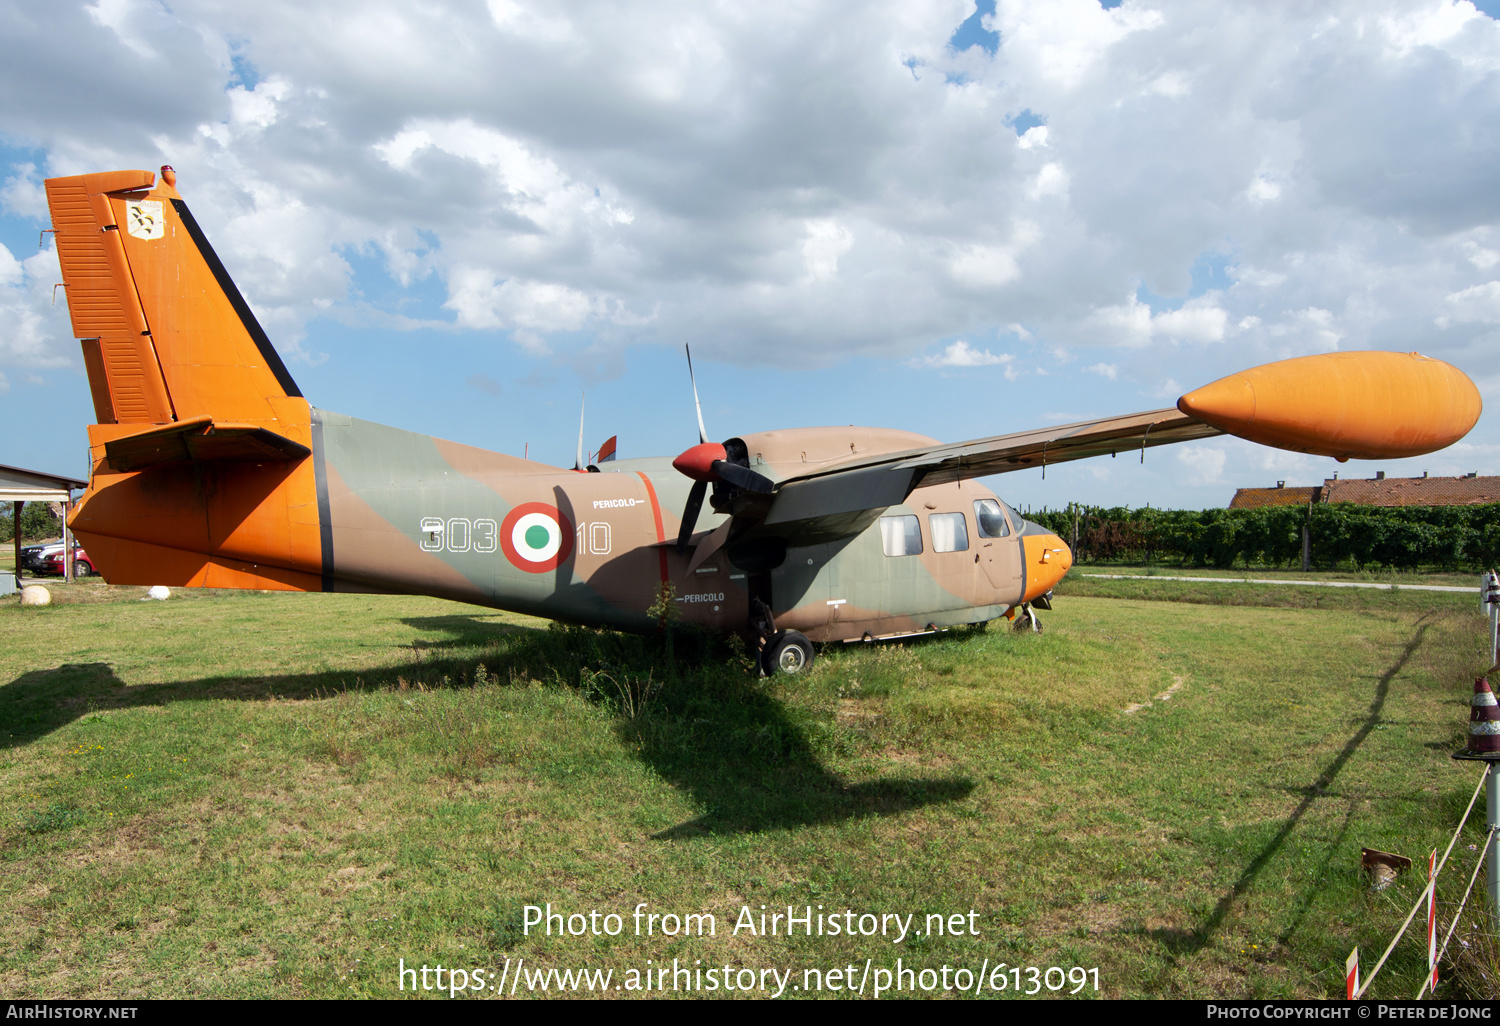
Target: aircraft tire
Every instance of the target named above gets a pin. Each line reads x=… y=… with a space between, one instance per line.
x=789 y=653
x=1024 y=622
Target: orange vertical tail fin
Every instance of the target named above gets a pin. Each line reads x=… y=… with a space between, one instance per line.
x=175 y=338
x=202 y=455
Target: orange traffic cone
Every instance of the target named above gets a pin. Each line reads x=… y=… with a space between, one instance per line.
x=1484 y=720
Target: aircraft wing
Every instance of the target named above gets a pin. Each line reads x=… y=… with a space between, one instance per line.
x=1371 y=405
x=844 y=498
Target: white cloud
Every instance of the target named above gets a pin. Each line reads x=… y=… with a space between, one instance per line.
x=537 y=26
x=1065 y=40
x=827 y=240
x=985 y=267
x=1431 y=25
x=961 y=354
x=22 y=193
x=1173 y=85
x=788 y=183
x=1481 y=257
x=1263 y=190
x=1051 y=180
x=1127 y=324
x=33 y=332
x=258 y=107
x=1034 y=137
x=123 y=18
x=1204 y=463
x=1476 y=303
x=482 y=302
x=10 y=268
x=1313 y=330
x=1198 y=320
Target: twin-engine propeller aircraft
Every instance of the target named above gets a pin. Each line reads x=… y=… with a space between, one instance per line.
x=209 y=469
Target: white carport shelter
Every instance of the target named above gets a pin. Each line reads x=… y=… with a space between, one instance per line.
x=22 y=486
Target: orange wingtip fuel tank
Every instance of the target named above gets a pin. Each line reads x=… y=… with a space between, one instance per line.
x=1367 y=406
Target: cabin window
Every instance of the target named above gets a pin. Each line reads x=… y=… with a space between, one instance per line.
x=949 y=532
x=901 y=536
x=991 y=519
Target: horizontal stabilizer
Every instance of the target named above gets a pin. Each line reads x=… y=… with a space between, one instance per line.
x=201 y=440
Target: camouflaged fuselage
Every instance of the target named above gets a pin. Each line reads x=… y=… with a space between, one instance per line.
x=407 y=513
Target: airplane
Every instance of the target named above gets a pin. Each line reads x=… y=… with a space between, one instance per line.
x=210 y=469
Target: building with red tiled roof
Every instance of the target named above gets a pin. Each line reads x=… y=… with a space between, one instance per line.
x=1469 y=490
x=1281 y=495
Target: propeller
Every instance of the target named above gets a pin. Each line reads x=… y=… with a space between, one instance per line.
x=709 y=462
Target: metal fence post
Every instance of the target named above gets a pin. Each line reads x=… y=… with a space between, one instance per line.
x=1489 y=602
x=1492 y=823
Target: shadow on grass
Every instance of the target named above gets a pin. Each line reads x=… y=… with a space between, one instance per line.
x=747 y=762
x=1190 y=941
x=687 y=707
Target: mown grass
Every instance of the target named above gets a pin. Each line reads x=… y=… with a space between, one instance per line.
x=1245 y=590
x=285 y=795
x=1371 y=574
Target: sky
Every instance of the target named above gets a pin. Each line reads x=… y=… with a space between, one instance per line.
x=461 y=218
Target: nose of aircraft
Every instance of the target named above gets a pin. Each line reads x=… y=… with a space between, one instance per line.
x=1047 y=559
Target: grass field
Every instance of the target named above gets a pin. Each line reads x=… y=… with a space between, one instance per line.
x=247 y=795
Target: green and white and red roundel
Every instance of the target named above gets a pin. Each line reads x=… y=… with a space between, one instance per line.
x=536 y=537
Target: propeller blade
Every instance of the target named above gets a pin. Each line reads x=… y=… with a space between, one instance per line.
x=578 y=460
x=742 y=477
x=708 y=546
x=690 y=514
x=702 y=434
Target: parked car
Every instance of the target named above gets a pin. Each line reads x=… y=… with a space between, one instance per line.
x=82 y=565
x=34 y=557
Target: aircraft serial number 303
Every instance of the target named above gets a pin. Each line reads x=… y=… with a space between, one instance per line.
x=457 y=534
x=210 y=469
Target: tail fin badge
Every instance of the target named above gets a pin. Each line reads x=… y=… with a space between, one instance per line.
x=144 y=219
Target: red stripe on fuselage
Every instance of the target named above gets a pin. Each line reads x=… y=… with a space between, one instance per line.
x=661 y=535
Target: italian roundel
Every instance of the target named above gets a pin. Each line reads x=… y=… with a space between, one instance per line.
x=536 y=537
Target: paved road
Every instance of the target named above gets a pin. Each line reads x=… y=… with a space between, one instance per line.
x=1305 y=584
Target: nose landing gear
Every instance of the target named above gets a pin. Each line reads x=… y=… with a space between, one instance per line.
x=787 y=652
x=1026 y=619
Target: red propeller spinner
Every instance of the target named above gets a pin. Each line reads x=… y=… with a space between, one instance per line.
x=698 y=462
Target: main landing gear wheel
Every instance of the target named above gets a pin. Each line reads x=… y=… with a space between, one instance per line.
x=789 y=652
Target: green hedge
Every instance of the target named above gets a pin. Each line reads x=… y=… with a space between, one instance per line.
x=1405 y=537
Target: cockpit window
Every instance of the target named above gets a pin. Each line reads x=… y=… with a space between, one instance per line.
x=949 y=532
x=901 y=536
x=991 y=519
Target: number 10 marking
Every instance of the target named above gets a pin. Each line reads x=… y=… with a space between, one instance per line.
x=597 y=538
